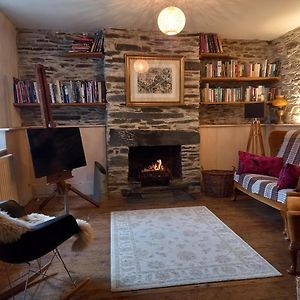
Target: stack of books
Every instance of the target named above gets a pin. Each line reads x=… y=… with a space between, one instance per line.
x=210 y=43
x=82 y=43
x=72 y=91
x=86 y=43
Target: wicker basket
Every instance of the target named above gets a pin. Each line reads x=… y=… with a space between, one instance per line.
x=218 y=183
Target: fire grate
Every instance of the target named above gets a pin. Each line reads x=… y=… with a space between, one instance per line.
x=150 y=178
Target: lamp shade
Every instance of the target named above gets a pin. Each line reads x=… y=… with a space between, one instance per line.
x=279 y=101
x=254 y=110
x=171 y=20
x=141 y=66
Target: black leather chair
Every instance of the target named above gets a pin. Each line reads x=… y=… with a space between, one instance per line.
x=40 y=240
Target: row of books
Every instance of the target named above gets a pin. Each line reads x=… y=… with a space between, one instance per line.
x=210 y=43
x=85 y=43
x=73 y=91
x=241 y=94
x=234 y=69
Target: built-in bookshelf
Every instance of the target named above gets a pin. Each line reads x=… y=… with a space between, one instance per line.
x=98 y=104
x=225 y=80
x=72 y=92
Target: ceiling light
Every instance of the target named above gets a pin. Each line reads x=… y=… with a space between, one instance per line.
x=141 y=66
x=171 y=20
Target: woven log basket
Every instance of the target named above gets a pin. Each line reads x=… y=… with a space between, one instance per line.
x=218 y=183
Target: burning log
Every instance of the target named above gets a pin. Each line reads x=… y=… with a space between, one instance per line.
x=155 y=174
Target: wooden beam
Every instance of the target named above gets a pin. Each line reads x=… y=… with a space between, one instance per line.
x=44 y=97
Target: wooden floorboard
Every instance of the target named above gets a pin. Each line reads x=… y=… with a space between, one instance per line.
x=259 y=225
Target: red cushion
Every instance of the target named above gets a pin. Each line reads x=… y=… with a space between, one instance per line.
x=258 y=164
x=288 y=177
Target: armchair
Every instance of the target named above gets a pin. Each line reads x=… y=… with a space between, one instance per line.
x=24 y=238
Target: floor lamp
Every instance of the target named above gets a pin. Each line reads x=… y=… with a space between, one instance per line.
x=255 y=111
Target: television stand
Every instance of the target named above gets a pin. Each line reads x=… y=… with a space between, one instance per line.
x=63 y=188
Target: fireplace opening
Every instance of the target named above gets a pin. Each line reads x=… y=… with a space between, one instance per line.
x=154 y=165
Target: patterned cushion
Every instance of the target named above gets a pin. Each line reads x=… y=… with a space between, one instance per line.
x=289 y=176
x=257 y=164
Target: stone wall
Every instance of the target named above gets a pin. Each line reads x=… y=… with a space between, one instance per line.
x=128 y=122
x=49 y=48
x=287 y=49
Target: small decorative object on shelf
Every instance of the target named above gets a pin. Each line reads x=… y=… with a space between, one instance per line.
x=280 y=103
x=210 y=43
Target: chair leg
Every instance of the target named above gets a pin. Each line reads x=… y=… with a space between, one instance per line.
x=234 y=196
x=23 y=284
x=284 y=220
x=63 y=263
x=293 y=254
x=76 y=286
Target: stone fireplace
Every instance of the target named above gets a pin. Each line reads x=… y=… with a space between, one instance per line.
x=138 y=136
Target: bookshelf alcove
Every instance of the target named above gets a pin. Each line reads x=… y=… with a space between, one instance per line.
x=215 y=88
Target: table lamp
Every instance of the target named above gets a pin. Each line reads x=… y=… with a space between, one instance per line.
x=279 y=103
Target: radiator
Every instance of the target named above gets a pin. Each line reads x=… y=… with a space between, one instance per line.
x=8 y=184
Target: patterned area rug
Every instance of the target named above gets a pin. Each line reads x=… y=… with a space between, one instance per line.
x=176 y=246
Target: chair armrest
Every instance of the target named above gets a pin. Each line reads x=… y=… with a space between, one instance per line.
x=293 y=220
x=13 y=208
x=293 y=193
x=42 y=239
x=293 y=202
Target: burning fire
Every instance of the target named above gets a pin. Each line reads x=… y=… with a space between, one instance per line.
x=157 y=166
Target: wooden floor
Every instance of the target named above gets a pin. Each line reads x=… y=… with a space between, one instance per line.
x=259 y=225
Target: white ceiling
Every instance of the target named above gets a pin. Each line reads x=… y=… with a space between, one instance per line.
x=246 y=19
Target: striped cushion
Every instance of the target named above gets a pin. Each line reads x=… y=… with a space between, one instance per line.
x=290 y=148
x=263 y=185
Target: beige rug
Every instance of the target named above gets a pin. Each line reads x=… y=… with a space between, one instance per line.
x=177 y=246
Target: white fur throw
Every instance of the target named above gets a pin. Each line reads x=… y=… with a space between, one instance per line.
x=11 y=229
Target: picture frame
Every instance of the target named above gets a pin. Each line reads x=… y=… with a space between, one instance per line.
x=154 y=80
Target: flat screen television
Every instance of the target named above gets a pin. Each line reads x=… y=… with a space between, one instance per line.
x=54 y=150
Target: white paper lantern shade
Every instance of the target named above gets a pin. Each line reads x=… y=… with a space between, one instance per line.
x=171 y=20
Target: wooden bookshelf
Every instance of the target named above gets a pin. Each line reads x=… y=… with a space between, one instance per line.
x=22 y=105
x=215 y=56
x=84 y=54
x=232 y=103
x=228 y=79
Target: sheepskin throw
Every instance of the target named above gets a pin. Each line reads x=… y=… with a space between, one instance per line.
x=11 y=229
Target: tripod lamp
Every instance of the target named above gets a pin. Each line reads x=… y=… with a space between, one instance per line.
x=255 y=111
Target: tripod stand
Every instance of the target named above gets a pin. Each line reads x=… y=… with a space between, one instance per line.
x=63 y=188
x=255 y=142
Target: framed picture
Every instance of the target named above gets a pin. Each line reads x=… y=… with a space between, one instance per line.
x=154 y=80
